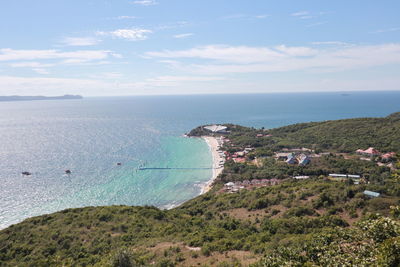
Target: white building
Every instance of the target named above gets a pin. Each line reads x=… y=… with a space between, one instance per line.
x=301 y=177
x=216 y=128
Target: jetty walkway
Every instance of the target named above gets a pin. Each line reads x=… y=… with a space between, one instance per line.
x=168 y=168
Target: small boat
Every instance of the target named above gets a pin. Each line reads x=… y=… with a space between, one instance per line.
x=67 y=171
x=26 y=173
x=119 y=164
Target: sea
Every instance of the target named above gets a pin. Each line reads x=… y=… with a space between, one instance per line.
x=90 y=136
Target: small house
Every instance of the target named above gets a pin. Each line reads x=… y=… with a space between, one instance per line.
x=371 y=194
x=303 y=160
x=291 y=160
x=216 y=128
x=301 y=177
x=230 y=184
x=283 y=156
x=388 y=156
x=369 y=152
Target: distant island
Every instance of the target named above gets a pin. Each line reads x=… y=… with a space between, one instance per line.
x=31 y=98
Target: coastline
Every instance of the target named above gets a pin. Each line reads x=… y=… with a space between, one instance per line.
x=212 y=143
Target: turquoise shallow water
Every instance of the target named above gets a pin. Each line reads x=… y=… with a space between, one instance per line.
x=165 y=188
x=90 y=136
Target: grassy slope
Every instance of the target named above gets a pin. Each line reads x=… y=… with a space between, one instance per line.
x=228 y=228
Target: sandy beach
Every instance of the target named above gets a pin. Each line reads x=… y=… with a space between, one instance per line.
x=213 y=144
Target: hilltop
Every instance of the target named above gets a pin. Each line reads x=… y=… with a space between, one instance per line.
x=272 y=219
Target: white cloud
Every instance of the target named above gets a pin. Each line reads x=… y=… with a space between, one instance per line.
x=262 y=16
x=60 y=86
x=7 y=54
x=40 y=71
x=183 y=35
x=387 y=30
x=306 y=17
x=28 y=85
x=238 y=54
x=111 y=75
x=300 y=14
x=185 y=85
x=174 y=80
x=103 y=84
x=80 y=41
x=296 y=51
x=244 y=16
x=331 y=43
x=308 y=14
x=106 y=76
x=173 y=25
x=116 y=55
x=317 y=24
x=145 y=2
x=128 y=34
x=243 y=59
x=30 y=64
x=126 y=17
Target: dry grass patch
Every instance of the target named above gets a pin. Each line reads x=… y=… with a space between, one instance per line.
x=193 y=257
x=244 y=257
x=245 y=215
x=273 y=209
x=349 y=219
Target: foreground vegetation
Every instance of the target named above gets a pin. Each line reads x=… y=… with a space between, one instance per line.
x=306 y=216
x=313 y=222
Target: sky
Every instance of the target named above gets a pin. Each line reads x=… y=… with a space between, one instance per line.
x=167 y=47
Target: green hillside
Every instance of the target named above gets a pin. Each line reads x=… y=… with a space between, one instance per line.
x=311 y=222
x=344 y=135
x=339 y=135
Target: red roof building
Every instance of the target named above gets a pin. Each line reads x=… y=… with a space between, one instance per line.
x=239 y=160
x=369 y=152
x=389 y=155
x=372 y=151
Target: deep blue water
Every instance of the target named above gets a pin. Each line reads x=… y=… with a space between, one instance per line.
x=90 y=136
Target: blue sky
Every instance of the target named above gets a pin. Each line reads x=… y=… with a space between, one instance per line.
x=147 y=47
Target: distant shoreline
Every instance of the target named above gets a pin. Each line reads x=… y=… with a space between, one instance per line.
x=34 y=98
x=217 y=170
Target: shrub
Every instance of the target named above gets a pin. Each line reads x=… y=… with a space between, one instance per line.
x=381 y=229
x=122 y=259
x=300 y=211
x=389 y=253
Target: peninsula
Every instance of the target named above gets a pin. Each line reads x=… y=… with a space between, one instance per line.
x=31 y=98
x=309 y=194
